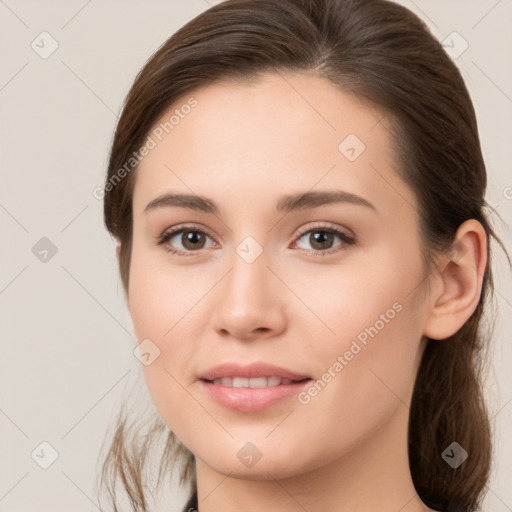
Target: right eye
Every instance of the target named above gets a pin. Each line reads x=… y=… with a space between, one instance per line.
x=190 y=238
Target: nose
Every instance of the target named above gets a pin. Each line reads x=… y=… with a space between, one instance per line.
x=250 y=301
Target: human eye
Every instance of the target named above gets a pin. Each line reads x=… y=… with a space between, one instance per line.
x=191 y=238
x=321 y=237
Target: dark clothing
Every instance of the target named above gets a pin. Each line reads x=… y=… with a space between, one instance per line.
x=191 y=506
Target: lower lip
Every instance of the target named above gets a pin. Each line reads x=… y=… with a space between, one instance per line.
x=251 y=399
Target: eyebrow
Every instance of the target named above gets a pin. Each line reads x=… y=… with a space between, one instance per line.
x=286 y=203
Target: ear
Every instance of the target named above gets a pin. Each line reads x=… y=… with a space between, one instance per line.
x=118 y=251
x=457 y=287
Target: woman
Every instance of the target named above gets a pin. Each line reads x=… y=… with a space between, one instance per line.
x=297 y=191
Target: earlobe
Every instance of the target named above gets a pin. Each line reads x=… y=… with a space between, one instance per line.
x=459 y=282
x=118 y=251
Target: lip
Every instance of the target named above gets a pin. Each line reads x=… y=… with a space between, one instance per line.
x=251 y=399
x=253 y=370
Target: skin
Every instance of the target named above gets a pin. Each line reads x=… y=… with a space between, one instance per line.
x=243 y=146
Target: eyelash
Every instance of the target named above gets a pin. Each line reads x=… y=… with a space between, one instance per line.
x=346 y=239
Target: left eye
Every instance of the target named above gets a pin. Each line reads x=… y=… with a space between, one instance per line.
x=322 y=239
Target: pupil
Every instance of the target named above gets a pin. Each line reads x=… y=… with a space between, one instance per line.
x=322 y=238
x=193 y=237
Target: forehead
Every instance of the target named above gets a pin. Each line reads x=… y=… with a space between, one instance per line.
x=292 y=131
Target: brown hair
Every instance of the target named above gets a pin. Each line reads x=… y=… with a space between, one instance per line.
x=386 y=56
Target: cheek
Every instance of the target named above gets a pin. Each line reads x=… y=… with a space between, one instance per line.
x=367 y=378
x=369 y=357
x=167 y=315
x=156 y=323
x=157 y=298
x=354 y=299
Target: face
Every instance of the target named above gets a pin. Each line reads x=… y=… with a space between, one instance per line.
x=322 y=286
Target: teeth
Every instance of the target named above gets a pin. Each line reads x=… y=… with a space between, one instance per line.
x=274 y=381
x=257 y=382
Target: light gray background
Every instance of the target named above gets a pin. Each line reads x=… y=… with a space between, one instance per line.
x=66 y=353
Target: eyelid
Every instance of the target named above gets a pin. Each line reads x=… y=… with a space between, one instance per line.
x=175 y=230
x=326 y=225
x=191 y=226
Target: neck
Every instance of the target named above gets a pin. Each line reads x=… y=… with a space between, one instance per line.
x=374 y=475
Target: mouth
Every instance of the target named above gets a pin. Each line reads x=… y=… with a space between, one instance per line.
x=256 y=382
x=259 y=373
x=251 y=388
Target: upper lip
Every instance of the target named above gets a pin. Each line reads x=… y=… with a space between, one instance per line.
x=253 y=370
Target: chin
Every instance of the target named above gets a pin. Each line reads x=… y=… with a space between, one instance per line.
x=246 y=461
